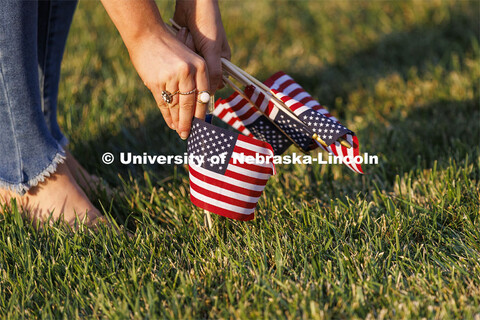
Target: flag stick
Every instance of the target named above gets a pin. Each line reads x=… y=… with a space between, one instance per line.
x=207 y=219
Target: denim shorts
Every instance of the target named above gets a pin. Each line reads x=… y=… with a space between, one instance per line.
x=32 y=41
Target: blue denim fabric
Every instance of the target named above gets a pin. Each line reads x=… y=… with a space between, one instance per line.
x=32 y=41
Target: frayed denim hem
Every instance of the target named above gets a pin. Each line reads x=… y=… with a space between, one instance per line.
x=22 y=188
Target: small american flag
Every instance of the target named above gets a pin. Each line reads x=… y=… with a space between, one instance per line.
x=219 y=183
x=315 y=117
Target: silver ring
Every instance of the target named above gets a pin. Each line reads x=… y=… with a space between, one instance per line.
x=187 y=93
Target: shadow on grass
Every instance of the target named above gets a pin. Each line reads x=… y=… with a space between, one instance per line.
x=398 y=52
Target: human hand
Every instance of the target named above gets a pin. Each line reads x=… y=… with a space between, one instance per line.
x=203 y=20
x=165 y=63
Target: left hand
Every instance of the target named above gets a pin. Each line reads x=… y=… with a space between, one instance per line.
x=203 y=20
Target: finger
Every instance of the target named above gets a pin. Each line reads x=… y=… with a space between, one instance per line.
x=173 y=106
x=214 y=66
x=182 y=35
x=202 y=85
x=189 y=42
x=187 y=105
x=186 y=38
x=162 y=105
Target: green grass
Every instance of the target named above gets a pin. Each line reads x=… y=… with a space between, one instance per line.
x=402 y=241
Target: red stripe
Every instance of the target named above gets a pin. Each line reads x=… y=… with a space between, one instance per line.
x=308 y=99
x=270 y=108
x=270 y=81
x=223 y=184
x=284 y=85
x=296 y=106
x=356 y=152
x=221 y=211
x=259 y=100
x=223 y=113
x=223 y=198
x=247 y=115
x=238 y=105
x=296 y=92
x=244 y=178
x=265 y=168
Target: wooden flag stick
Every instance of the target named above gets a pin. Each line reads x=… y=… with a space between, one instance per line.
x=207 y=219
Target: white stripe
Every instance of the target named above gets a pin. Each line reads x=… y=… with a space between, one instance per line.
x=235 y=100
x=248 y=173
x=254 y=148
x=313 y=103
x=229 y=180
x=274 y=113
x=228 y=116
x=244 y=110
x=281 y=80
x=222 y=191
x=302 y=95
x=301 y=110
x=220 y=204
x=292 y=87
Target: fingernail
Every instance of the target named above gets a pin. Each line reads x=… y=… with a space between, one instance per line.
x=173 y=126
x=184 y=135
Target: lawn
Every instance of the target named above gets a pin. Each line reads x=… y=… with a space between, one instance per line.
x=402 y=241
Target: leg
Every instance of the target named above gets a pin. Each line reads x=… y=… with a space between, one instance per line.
x=54 y=22
x=53 y=26
x=31 y=165
x=29 y=152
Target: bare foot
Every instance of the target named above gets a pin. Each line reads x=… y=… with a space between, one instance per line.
x=58 y=196
x=87 y=181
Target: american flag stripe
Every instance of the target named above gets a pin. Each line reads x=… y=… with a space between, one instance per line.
x=227 y=179
x=233 y=201
x=229 y=193
x=220 y=207
x=254 y=168
x=247 y=172
x=218 y=180
x=245 y=179
x=252 y=144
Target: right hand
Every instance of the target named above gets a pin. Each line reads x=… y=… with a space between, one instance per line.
x=165 y=63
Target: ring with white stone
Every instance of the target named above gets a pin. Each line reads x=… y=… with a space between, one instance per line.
x=203 y=97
